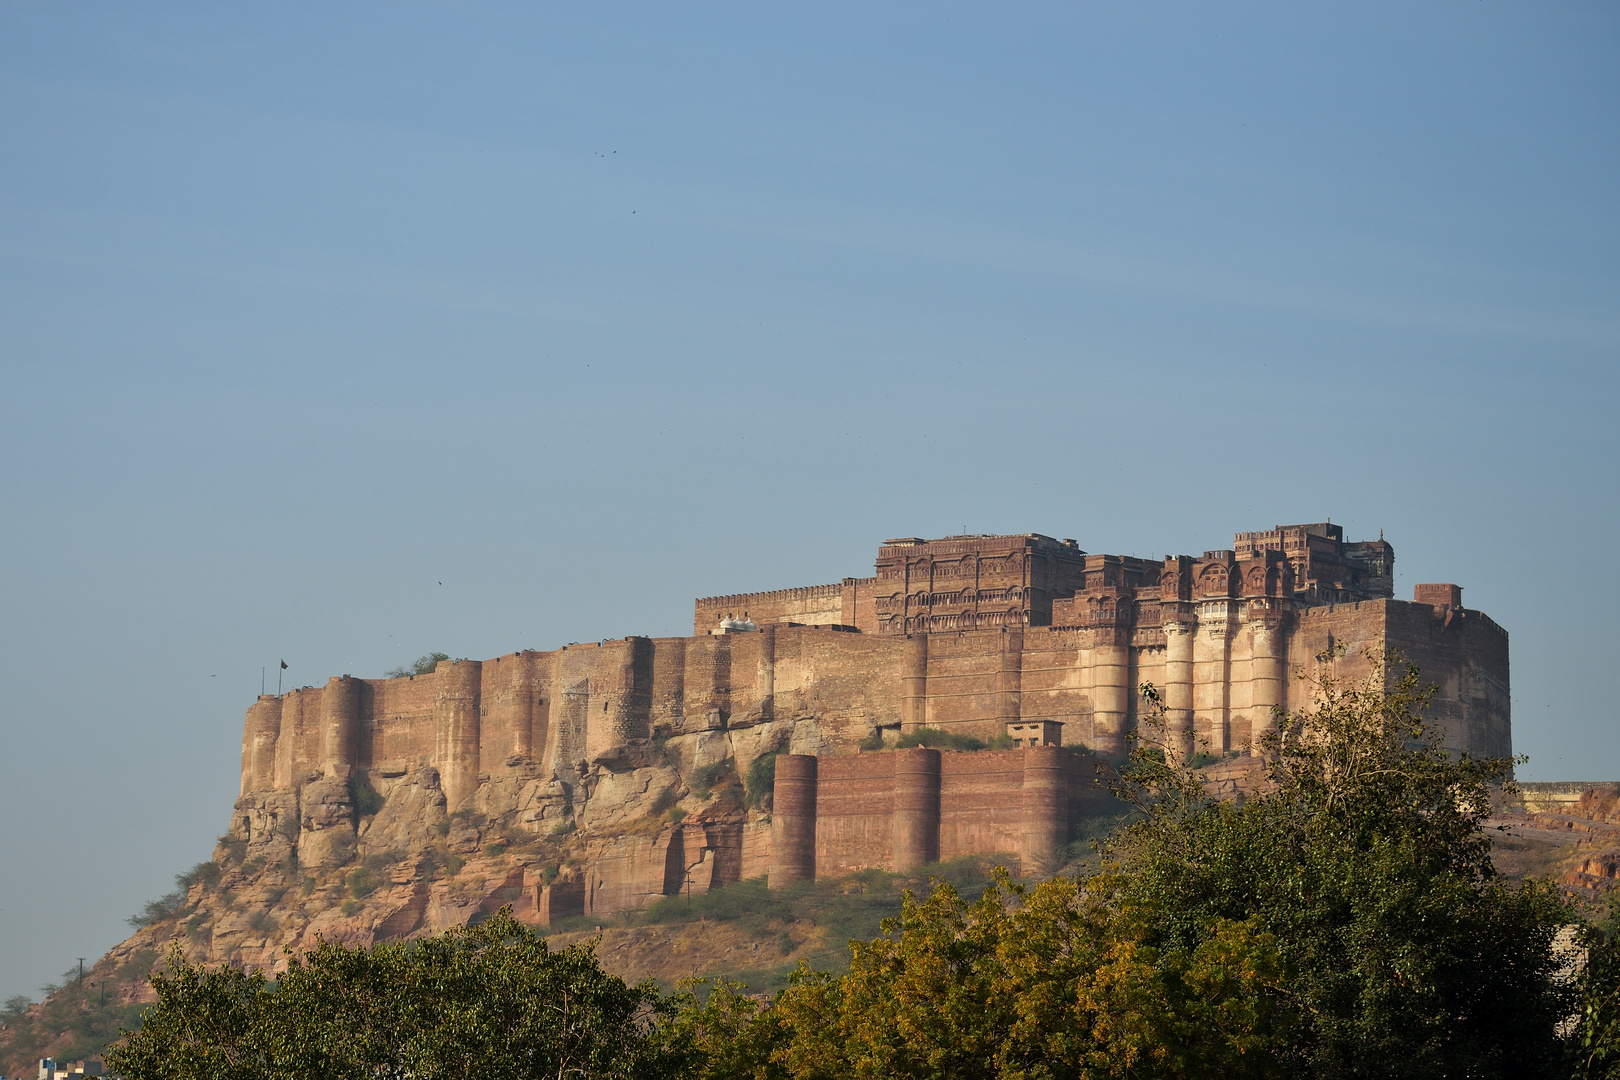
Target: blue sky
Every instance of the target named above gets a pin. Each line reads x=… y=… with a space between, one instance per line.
x=305 y=310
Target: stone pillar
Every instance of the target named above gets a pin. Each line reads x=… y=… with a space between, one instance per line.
x=630 y=699
x=1110 y=692
x=259 y=735
x=1011 y=677
x=793 y=820
x=1178 y=685
x=1212 y=672
x=1045 y=809
x=509 y=725
x=340 y=727
x=914 y=684
x=1266 y=675
x=765 y=674
x=289 y=754
x=916 y=807
x=456 y=727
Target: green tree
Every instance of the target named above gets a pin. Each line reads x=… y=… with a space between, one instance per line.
x=1368 y=863
x=492 y=1000
x=422 y=665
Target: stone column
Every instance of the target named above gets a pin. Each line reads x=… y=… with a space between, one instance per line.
x=1045 y=809
x=916 y=807
x=290 y=761
x=259 y=735
x=1110 y=691
x=765 y=674
x=1178 y=684
x=457 y=725
x=1212 y=677
x=914 y=684
x=1010 y=679
x=1266 y=674
x=793 y=820
x=340 y=727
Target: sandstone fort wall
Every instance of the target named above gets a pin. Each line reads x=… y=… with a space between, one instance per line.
x=972 y=635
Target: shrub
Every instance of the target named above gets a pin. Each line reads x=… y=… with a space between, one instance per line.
x=706 y=778
x=422 y=665
x=873 y=741
x=563 y=829
x=308 y=886
x=234 y=850
x=761 y=779
x=453 y=864
x=676 y=815
x=204 y=873
x=666 y=799
x=496 y=850
x=351 y=908
x=156 y=911
x=361 y=883
x=260 y=919
x=366 y=799
x=939 y=739
x=442 y=827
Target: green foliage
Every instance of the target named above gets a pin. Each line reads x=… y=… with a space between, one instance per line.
x=367 y=801
x=165 y=907
x=442 y=827
x=361 y=882
x=666 y=799
x=234 y=850
x=496 y=850
x=1597 y=1038
x=872 y=742
x=76 y=1019
x=761 y=779
x=705 y=778
x=491 y=1000
x=676 y=815
x=1368 y=864
x=564 y=828
x=453 y=864
x=1054 y=982
x=422 y=665
x=351 y=908
x=204 y=873
x=940 y=739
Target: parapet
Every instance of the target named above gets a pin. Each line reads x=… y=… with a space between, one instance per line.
x=1438 y=595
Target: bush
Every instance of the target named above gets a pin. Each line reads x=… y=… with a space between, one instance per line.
x=156 y=911
x=676 y=815
x=366 y=799
x=666 y=799
x=361 y=882
x=939 y=739
x=706 y=778
x=351 y=908
x=204 y=873
x=564 y=828
x=761 y=779
x=497 y=850
x=422 y=665
x=453 y=864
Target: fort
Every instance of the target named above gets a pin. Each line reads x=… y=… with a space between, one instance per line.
x=1021 y=640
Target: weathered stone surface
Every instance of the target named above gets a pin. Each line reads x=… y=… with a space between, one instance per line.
x=327 y=836
x=409 y=816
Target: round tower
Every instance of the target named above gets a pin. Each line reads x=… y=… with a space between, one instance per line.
x=457 y=687
x=259 y=735
x=1045 y=808
x=793 y=820
x=340 y=726
x=916 y=807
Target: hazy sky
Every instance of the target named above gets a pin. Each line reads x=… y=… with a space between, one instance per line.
x=343 y=333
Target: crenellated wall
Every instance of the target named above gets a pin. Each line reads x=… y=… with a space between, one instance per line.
x=593 y=735
x=1223 y=666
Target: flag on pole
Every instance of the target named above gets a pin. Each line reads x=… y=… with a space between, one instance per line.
x=284 y=665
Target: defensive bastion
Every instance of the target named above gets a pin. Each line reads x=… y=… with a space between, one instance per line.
x=1022 y=635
